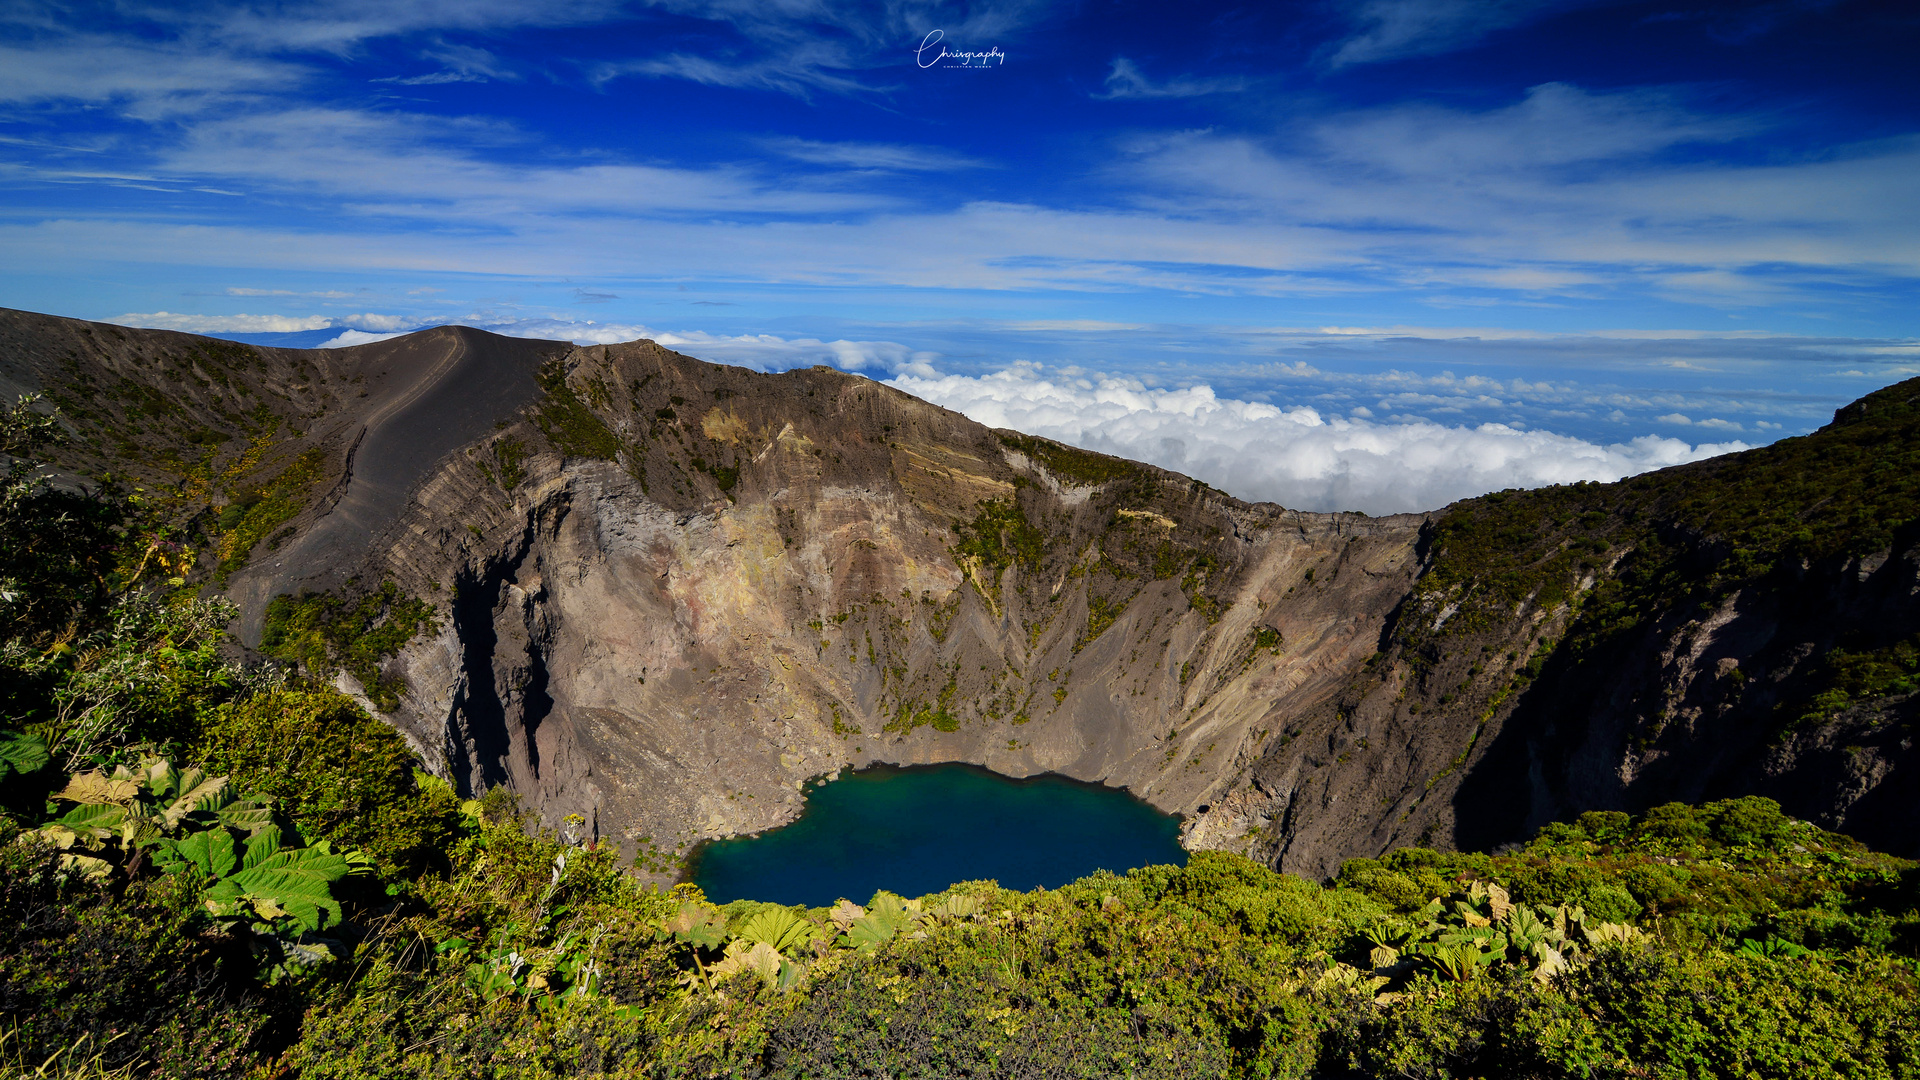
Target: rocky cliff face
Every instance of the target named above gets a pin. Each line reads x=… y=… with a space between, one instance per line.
x=772 y=578
x=669 y=593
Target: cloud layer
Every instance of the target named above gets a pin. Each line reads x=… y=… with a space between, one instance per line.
x=263 y=324
x=1292 y=456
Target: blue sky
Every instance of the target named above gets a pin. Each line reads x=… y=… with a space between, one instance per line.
x=1529 y=241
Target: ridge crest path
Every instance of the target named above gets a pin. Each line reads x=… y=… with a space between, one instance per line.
x=443 y=389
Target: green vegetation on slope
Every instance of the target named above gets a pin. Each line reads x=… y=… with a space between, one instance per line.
x=1683 y=536
x=324 y=633
x=1000 y=536
x=1071 y=463
x=255 y=513
x=58 y=549
x=510 y=454
x=568 y=422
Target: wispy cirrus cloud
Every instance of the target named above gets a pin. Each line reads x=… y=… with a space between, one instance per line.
x=1126 y=80
x=460 y=63
x=396 y=163
x=328 y=294
x=147 y=80
x=1392 y=29
x=340 y=26
x=891 y=157
x=808 y=47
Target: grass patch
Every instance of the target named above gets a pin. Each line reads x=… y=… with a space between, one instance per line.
x=1101 y=613
x=509 y=466
x=567 y=422
x=324 y=633
x=259 y=511
x=1071 y=463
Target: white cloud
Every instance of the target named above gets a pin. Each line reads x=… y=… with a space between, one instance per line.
x=393 y=164
x=1297 y=455
x=891 y=157
x=333 y=294
x=1126 y=80
x=889 y=357
x=464 y=63
x=580 y=332
x=765 y=352
x=1293 y=456
x=225 y=324
x=438 y=78
x=149 y=79
x=354 y=337
x=1397 y=28
x=262 y=324
x=1419 y=200
x=801 y=47
x=377 y=322
x=338 y=27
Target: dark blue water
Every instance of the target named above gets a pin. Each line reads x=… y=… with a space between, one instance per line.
x=917 y=830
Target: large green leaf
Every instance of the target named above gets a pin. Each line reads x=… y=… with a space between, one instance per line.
x=253 y=815
x=1524 y=929
x=697 y=926
x=94 y=786
x=22 y=753
x=261 y=848
x=297 y=879
x=83 y=825
x=98 y=819
x=195 y=791
x=759 y=958
x=1460 y=963
x=892 y=908
x=211 y=852
x=960 y=906
x=869 y=932
x=845 y=912
x=778 y=927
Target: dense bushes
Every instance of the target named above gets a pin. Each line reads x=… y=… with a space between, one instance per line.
x=336 y=773
x=122 y=972
x=1764 y=947
x=1673 y=540
x=59 y=547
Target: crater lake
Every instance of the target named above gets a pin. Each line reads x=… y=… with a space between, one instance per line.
x=918 y=829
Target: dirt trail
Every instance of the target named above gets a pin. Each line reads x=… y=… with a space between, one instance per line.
x=435 y=393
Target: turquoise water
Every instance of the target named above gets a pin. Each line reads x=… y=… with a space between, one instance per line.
x=918 y=830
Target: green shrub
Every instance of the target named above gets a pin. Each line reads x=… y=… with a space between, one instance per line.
x=125 y=973
x=1000 y=536
x=1071 y=463
x=257 y=512
x=323 y=633
x=59 y=549
x=568 y=422
x=337 y=773
x=141 y=678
